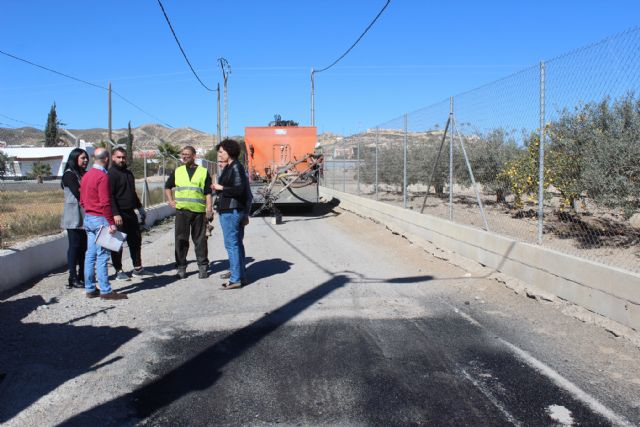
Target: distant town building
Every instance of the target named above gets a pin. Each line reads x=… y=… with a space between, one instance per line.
x=21 y=158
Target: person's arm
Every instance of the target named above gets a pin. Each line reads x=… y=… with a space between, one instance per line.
x=171 y=182
x=104 y=200
x=113 y=186
x=235 y=187
x=70 y=180
x=208 y=197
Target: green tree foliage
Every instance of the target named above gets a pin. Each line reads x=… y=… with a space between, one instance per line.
x=39 y=171
x=168 y=150
x=129 y=144
x=51 y=131
x=488 y=156
x=591 y=151
x=4 y=164
x=601 y=146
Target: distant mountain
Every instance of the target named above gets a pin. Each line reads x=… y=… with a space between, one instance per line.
x=146 y=136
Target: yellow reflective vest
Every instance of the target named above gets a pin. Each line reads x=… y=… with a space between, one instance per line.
x=190 y=192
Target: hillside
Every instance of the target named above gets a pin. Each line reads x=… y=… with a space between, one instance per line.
x=145 y=136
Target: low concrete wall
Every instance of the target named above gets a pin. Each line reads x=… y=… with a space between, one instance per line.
x=608 y=291
x=29 y=260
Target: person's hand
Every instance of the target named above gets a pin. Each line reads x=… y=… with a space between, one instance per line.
x=216 y=186
x=172 y=203
x=118 y=220
x=113 y=228
x=209 y=215
x=245 y=221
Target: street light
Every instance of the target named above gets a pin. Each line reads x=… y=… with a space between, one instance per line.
x=226 y=70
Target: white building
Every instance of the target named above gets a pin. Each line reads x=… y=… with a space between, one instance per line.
x=21 y=159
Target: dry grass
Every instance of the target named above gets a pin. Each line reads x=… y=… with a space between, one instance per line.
x=28 y=214
x=24 y=215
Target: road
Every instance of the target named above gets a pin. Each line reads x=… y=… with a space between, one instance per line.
x=343 y=323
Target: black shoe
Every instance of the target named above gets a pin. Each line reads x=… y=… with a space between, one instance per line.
x=202 y=272
x=231 y=285
x=93 y=294
x=182 y=273
x=75 y=283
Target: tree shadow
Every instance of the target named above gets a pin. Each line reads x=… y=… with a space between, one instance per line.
x=592 y=232
x=37 y=358
x=204 y=369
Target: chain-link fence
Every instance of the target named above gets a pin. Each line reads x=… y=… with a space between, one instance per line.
x=475 y=159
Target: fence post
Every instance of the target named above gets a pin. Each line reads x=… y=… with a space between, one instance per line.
x=377 y=139
x=344 y=172
x=358 y=166
x=404 y=165
x=164 y=178
x=145 y=185
x=541 y=158
x=451 y=160
x=333 y=180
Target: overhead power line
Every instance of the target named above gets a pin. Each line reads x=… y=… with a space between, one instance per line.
x=356 y=42
x=19 y=121
x=85 y=82
x=181 y=49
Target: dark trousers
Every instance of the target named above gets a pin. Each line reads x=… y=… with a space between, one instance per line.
x=193 y=223
x=75 y=253
x=134 y=240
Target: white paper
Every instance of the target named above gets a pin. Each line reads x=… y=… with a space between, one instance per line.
x=113 y=242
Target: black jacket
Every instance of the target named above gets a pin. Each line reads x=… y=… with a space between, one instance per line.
x=123 y=190
x=233 y=195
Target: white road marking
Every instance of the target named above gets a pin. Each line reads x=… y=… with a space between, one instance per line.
x=560 y=414
x=554 y=376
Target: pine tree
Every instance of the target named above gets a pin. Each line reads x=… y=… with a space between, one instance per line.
x=51 y=135
x=130 y=146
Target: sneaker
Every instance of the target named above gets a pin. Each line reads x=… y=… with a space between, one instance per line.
x=226 y=275
x=231 y=285
x=182 y=273
x=114 y=296
x=121 y=275
x=142 y=272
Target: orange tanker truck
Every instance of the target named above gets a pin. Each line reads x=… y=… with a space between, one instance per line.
x=283 y=168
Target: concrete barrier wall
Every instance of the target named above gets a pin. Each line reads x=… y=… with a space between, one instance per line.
x=608 y=291
x=29 y=260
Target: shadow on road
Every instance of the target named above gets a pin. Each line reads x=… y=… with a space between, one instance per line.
x=37 y=358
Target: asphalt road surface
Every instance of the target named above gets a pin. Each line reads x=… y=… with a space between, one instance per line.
x=343 y=323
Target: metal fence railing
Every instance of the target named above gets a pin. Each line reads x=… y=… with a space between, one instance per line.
x=475 y=159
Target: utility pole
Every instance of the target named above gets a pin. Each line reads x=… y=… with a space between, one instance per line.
x=226 y=70
x=110 y=138
x=313 y=98
x=218 y=128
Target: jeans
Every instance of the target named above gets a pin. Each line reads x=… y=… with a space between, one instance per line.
x=233 y=233
x=97 y=257
x=75 y=253
x=134 y=239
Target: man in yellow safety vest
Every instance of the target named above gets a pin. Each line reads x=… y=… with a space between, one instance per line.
x=193 y=204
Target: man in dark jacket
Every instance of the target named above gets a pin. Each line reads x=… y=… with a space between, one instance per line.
x=124 y=201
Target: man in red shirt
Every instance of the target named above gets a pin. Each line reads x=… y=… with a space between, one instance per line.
x=95 y=198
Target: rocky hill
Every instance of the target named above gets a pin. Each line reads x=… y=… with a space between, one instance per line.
x=145 y=136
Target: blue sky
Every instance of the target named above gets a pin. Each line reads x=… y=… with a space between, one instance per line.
x=418 y=53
